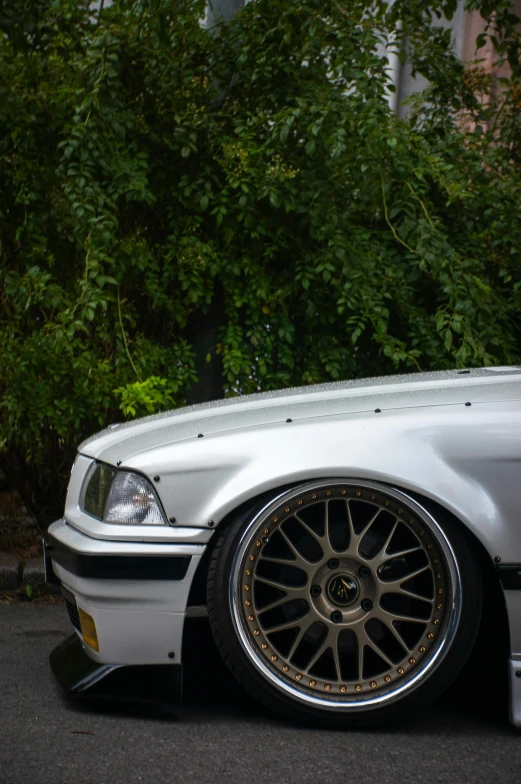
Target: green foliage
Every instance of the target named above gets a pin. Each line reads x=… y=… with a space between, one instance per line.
x=145 y=397
x=157 y=177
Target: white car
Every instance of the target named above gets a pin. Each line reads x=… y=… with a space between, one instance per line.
x=340 y=535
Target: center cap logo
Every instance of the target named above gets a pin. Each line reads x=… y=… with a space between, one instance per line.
x=342 y=590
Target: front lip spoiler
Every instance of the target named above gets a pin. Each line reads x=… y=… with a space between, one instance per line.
x=152 y=686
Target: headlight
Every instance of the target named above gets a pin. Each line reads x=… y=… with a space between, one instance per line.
x=121 y=497
x=97 y=485
x=132 y=500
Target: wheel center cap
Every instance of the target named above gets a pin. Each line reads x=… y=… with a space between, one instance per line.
x=342 y=590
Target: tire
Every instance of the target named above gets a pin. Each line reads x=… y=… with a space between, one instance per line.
x=343 y=603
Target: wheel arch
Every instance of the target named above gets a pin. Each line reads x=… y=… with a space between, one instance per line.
x=197 y=595
x=266 y=683
x=494 y=608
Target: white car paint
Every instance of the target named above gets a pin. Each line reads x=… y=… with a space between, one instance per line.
x=452 y=437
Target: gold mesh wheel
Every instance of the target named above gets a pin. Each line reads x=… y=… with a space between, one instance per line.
x=345 y=594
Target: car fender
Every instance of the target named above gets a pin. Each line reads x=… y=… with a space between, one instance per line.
x=464 y=457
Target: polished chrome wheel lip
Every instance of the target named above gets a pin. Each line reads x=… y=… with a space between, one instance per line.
x=362 y=702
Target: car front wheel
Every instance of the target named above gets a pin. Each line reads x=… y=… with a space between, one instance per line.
x=343 y=603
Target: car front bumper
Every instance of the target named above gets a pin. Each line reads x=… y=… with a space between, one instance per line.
x=136 y=594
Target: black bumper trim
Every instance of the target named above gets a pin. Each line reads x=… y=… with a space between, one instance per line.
x=72 y=608
x=510 y=577
x=117 y=567
x=50 y=577
x=157 y=686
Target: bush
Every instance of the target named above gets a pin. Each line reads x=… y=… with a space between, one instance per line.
x=188 y=213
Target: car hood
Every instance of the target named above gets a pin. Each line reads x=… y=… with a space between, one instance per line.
x=120 y=442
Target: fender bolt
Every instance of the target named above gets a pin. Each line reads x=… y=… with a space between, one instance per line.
x=171 y=655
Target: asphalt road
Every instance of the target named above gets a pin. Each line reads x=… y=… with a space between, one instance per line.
x=221 y=737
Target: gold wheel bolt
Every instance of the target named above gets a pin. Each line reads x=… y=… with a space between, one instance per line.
x=257 y=543
x=439 y=576
x=422 y=648
x=287 y=510
x=313 y=683
x=328 y=492
x=256 y=632
x=439 y=606
x=387 y=679
x=430 y=636
x=388 y=503
x=266 y=530
x=251 y=618
x=248 y=572
x=422 y=533
x=314 y=496
x=246 y=587
x=440 y=591
x=400 y=671
x=358 y=687
x=264 y=646
x=275 y=519
x=343 y=689
x=298 y=676
x=252 y=557
x=274 y=658
x=436 y=621
x=435 y=560
x=358 y=494
x=400 y=511
x=285 y=668
x=373 y=497
x=412 y=660
x=429 y=547
x=299 y=502
x=373 y=684
x=247 y=603
x=327 y=687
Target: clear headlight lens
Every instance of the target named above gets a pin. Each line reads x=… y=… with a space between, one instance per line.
x=121 y=497
x=132 y=500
